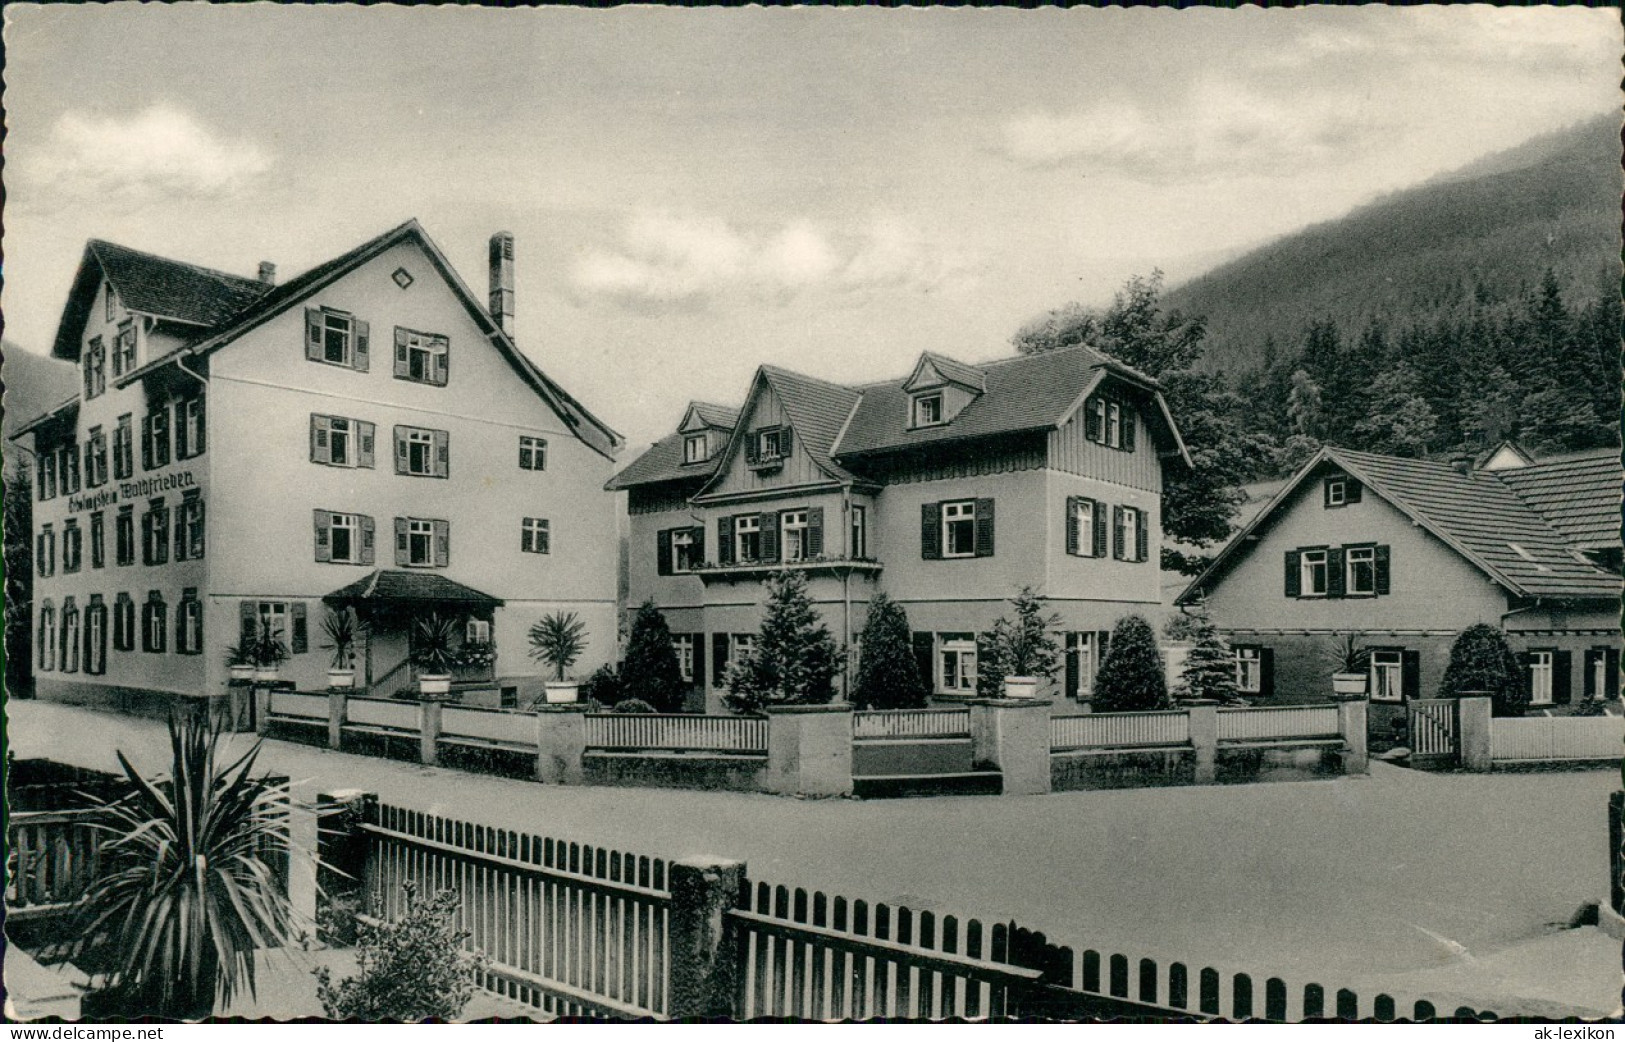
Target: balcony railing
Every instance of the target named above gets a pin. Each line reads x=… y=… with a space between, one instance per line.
x=748 y=569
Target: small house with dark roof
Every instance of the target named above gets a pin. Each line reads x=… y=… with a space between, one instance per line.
x=364 y=437
x=1407 y=553
x=949 y=488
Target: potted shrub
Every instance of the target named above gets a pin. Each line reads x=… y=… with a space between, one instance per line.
x=341 y=630
x=559 y=639
x=433 y=654
x=1019 y=652
x=268 y=654
x=1351 y=663
x=240 y=660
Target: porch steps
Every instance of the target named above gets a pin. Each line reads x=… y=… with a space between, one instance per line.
x=954 y=783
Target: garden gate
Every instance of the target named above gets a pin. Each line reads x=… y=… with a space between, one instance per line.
x=1433 y=726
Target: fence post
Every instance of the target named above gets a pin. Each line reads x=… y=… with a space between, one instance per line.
x=809 y=750
x=336 y=708
x=1351 y=713
x=706 y=960
x=1616 y=852
x=1204 y=720
x=1473 y=725
x=429 y=713
x=341 y=853
x=1012 y=734
x=262 y=708
x=561 y=742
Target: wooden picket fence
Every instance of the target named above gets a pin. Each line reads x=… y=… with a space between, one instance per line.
x=626 y=732
x=1119 y=730
x=911 y=723
x=52 y=857
x=1432 y=725
x=1534 y=739
x=1267 y=723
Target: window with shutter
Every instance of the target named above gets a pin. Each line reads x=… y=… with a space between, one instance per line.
x=442 y=544
x=958 y=528
x=984 y=528
x=366 y=434
x=815 y=532
x=1128 y=429
x=333 y=338
x=1101 y=537
x=1336 y=574
x=768 y=532
x=725 y=540
x=663 y=552
x=1142 y=537
x=925 y=645
x=699 y=659
x=320 y=431
x=931 y=531
x=422 y=357
x=719 y=659
x=1071 y=521
x=1381 y=567
x=697 y=554
x=442 y=454
x=368 y=554
x=403 y=551
x=1562 y=677
x=1294 y=574
x=299 y=642
x=1118 y=548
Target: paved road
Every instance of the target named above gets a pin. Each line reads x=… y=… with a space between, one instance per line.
x=1378 y=881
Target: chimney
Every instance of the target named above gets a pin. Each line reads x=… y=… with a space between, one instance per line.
x=1463 y=464
x=502 y=280
x=268 y=273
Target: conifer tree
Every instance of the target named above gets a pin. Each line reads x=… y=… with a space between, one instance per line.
x=888 y=674
x=793 y=660
x=1210 y=669
x=1021 y=647
x=651 y=673
x=1131 y=679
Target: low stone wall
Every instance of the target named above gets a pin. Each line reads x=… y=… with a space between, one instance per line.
x=132 y=701
x=488 y=759
x=917 y=756
x=676 y=771
x=1128 y=769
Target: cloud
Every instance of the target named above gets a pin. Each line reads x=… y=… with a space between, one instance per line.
x=667 y=262
x=156 y=153
x=1219 y=129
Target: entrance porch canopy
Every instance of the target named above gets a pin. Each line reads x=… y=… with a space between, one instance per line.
x=390 y=588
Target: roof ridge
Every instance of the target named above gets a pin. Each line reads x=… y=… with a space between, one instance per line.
x=202 y=269
x=781 y=370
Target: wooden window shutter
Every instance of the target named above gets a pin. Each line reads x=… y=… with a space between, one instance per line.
x=1098 y=510
x=1526 y=661
x=402 y=367
x=1074 y=672
x=1410 y=674
x=1351 y=491
x=202 y=439
x=320 y=445
x=183 y=447
x=363 y=346
x=402 y=555
x=299 y=642
x=400 y=450
x=442 y=454
x=368 y=537
x=442 y=544
x=815 y=532
x=1381 y=569
x=324 y=528
x=698 y=553
x=1562 y=677
x=931 y=531
x=1142 y=536
x=719 y=659
x=984 y=528
x=925 y=648
x=1266 y=672
x=1336 y=578
x=725 y=540
x=313 y=334
x=146 y=443
x=663 y=552
x=1119 y=551
x=770 y=536
x=1326 y=493
x=366 y=437
x=785 y=442
x=1611 y=668
x=1127 y=419
x=442 y=361
x=1091 y=421
x=699 y=659
x=1071 y=532
x=1294 y=576
x=248 y=619
x=751 y=442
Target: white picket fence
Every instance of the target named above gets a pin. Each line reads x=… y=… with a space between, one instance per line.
x=1119 y=729
x=911 y=723
x=492 y=725
x=635 y=731
x=297 y=704
x=1556 y=738
x=1273 y=722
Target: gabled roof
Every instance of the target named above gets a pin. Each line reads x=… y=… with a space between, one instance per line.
x=722 y=417
x=269 y=302
x=391 y=585
x=949 y=369
x=154 y=286
x=1508 y=450
x=663 y=461
x=1578 y=494
x=818 y=411
x=1477 y=514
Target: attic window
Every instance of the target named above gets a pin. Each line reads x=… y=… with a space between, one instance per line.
x=112 y=302
x=402 y=277
x=694 y=448
x=928 y=409
x=1337 y=492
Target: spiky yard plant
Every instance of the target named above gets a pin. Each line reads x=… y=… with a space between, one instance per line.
x=191 y=888
x=558 y=639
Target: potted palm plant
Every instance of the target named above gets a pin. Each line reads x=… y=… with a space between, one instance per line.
x=559 y=639
x=240 y=660
x=341 y=630
x=433 y=654
x=188 y=888
x=269 y=654
x=1351 y=664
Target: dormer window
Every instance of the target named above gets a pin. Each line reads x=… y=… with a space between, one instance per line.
x=769 y=446
x=928 y=409
x=694 y=448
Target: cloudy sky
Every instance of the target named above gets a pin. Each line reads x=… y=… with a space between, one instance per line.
x=697 y=191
